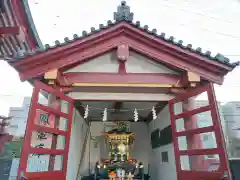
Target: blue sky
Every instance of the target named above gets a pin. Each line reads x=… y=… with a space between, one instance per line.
x=213 y=25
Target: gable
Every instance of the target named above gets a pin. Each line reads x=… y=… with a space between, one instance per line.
x=138 y=63
x=104 y=63
x=123 y=31
x=108 y=62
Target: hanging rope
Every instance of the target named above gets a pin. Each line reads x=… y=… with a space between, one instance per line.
x=86 y=112
x=154 y=113
x=112 y=109
x=135 y=115
x=104 y=115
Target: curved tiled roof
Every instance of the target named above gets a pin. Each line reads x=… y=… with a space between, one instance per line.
x=11 y=16
x=123 y=14
x=31 y=23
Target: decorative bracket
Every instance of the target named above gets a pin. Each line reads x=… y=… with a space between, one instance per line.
x=190 y=79
x=123 y=52
x=122 y=55
x=54 y=76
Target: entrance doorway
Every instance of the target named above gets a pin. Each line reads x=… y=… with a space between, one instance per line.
x=54 y=122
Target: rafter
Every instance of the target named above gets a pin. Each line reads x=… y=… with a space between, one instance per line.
x=9 y=30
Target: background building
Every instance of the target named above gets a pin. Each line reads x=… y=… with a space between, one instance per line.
x=231 y=112
x=20 y=114
x=204 y=119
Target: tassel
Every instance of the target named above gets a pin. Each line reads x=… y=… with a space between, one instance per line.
x=154 y=113
x=135 y=115
x=86 y=112
x=105 y=115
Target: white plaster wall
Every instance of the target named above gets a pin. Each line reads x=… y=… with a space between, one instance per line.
x=84 y=168
x=106 y=63
x=142 y=143
x=162 y=170
x=138 y=63
x=77 y=137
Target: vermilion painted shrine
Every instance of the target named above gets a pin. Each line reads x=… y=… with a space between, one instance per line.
x=120 y=102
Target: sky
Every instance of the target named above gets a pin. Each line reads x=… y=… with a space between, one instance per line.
x=210 y=24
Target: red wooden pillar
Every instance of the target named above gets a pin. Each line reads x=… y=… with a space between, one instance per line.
x=55 y=103
x=193 y=141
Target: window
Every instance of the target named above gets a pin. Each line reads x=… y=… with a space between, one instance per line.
x=237 y=148
x=211 y=156
x=205 y=137
x=164 y=156
x=13 y=126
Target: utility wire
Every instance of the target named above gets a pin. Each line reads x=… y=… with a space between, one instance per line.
x=172 y=5
x=232 y=54
x=198 y=13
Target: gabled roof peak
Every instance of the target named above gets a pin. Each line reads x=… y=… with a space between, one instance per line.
x=124 y=14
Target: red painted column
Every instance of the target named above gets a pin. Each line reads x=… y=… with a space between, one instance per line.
x=193 y=141
x=55 y=103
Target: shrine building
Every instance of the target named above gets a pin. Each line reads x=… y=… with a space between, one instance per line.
x=120 y=102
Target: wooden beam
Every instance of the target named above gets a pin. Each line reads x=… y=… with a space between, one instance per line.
x=92 y=119
x=9 y=30
x=126 y=80
x=66 y=89
x=121 y=85
x=177 y=90
x=118 y=105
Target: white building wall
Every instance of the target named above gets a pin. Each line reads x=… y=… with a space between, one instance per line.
x=231 y=113
x=20 y=114
x=18 y=123
x=162 y=170
x=142 y=143
x=138 y=63
x=120 y=96
x=78 y=131
x=105 y=63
